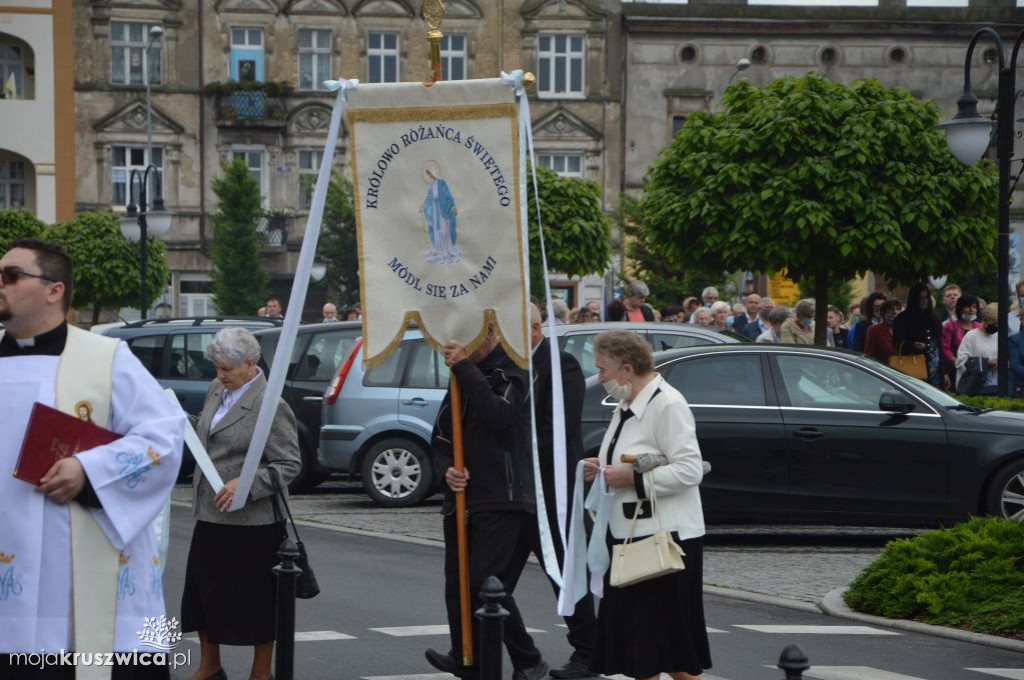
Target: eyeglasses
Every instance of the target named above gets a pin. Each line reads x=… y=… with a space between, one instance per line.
x=9 y=276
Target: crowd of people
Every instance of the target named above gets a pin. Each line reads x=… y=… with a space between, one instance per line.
x=957 y=340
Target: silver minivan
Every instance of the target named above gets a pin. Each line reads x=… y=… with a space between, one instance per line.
x=376 y=424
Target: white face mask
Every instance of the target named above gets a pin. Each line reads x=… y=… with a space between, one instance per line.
x=617 y=391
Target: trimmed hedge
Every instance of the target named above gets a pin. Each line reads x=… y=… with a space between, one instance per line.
x=970 y=576
x=1004 y=403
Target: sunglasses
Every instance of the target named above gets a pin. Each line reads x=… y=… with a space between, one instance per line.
x=9 y=276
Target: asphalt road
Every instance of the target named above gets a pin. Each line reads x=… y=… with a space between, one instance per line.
x=374 y=590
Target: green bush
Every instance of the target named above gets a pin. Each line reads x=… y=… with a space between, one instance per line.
x=1004 y=403
x=970 y=576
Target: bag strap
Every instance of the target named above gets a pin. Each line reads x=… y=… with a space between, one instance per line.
x=639 y=503
x=284 y=501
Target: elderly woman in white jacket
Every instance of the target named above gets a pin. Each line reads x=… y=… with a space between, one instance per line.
x=656 y=626
x=978 y=353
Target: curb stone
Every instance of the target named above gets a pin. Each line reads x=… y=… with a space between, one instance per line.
x=834 y=605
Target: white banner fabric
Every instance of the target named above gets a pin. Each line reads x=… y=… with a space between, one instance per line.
x=437 y=198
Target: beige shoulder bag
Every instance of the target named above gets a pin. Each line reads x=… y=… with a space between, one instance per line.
x=647 y=558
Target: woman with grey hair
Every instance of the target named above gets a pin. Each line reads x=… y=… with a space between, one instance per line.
x=654 y=626
x=799 y=330
x=229 y=586
x=635 y=299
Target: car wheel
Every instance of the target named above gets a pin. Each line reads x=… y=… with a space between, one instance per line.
x=1006 y=492
x=396 y=473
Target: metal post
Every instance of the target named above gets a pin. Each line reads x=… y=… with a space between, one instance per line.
x=143 y=256
x=284 y=629
x=1004 y=154
x=492 y=617
x=794 y=662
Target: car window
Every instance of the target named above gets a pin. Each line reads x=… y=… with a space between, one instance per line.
x=733 y=380
x=816 y=382
x=581 y=346
x=426 y=369
x=188 y=357
x=663 y=341
x=149 y=350
x=385 y=374
x=323 y=355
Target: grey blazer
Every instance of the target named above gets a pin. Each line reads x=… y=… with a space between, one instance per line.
x=227 y=445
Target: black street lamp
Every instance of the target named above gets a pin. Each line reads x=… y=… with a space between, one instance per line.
x=968 y=135
x=137 y=222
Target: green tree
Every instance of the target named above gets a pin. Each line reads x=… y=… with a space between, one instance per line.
x=337 y=245
x=669 y=284
x=577 y=234
x=240 y=278
x=17 y=223
x=839 y=292
x=825 y=179
x=107 y=265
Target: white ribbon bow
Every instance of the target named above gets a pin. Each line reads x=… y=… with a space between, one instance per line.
x=342 y=84
x=515 y=79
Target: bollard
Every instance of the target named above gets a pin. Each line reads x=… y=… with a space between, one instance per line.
x=284 y=627
x=794 y=662
x=492 y=617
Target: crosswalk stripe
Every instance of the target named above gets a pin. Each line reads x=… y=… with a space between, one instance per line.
x=421 y=676
x=709 y=628
x=1012 y=673
x=663 y=676
x=853 y=673
x=411 y=631
x=322 y=636
x=818 y=630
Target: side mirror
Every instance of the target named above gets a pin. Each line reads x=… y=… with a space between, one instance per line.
x=895 y=402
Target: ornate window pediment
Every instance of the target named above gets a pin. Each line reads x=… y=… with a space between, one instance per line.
x=384 y=8
x=138 y=4
x=330 y=7
x=310 y=119
x=589 y=9
x=250 y=6
x=462 y=9
x=132 y=118
x=562 y=125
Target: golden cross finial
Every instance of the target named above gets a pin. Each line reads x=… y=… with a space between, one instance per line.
x=433 y=13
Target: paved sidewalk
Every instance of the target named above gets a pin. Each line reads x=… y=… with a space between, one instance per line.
x=795 y=572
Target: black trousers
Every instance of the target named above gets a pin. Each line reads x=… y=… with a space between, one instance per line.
x=582 y=623
x=11 y=671
x=499 y=543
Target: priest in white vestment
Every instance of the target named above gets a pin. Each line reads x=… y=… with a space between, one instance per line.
x=124 y=484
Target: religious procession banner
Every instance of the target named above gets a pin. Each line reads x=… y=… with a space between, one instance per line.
x=437 y=196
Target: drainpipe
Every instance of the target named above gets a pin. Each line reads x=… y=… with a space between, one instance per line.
x=202 y=134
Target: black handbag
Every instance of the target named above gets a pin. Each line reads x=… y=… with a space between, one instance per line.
x=306 y=586
x=974 y=378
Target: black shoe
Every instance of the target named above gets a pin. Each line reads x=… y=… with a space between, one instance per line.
x=446 y=663
x=572 y=670
x=538 y=672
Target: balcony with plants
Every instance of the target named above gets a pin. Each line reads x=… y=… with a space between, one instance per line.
x=249 y=104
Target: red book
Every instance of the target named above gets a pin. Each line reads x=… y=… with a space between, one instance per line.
x=52 y=435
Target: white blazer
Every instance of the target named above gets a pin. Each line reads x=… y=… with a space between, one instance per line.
x=661 y=423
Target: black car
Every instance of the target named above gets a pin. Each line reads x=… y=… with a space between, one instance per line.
x=319 y=350
x=802 y=434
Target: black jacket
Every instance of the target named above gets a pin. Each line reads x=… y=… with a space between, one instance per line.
x=495 y=435
x=573 y=388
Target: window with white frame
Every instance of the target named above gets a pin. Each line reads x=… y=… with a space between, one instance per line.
x=253 y=158
x=12 y=71
x=309 y=167
x=565 y=164
x=12 y=184
x=314 y=58
x=128 y=158
x=247 y=55
x=560 y=65
x=382 y=57
x=453 y=57
x=129 y=56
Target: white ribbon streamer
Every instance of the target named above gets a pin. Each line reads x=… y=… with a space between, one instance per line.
x=197 y=449
x=551 y=566
x=574 y=573
x=286 y=341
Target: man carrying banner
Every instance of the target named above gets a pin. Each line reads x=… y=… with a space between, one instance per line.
x=582 y=623
x=498 y=483
x=79 y=563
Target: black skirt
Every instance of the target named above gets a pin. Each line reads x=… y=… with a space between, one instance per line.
x=656 y=626
x=229 y=586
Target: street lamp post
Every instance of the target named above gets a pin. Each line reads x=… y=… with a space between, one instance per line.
x=968 y=135
x=155 y=33
x=138 y=221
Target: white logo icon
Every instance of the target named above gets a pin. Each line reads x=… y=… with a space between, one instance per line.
x=159 y=633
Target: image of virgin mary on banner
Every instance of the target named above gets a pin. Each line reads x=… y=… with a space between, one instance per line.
x=437 y=196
